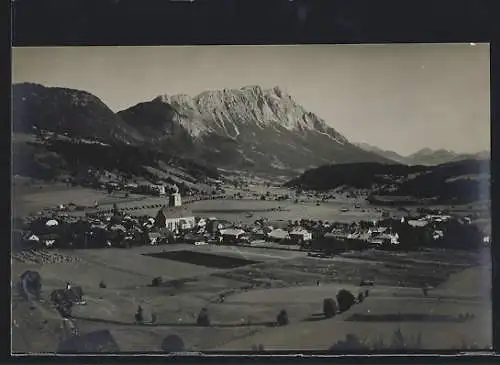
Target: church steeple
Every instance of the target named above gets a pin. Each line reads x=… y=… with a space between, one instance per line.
x=175 y=197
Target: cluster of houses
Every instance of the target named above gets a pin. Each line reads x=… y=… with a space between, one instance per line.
x=175 y=222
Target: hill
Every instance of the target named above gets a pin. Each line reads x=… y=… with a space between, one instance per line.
x=90 y=163
x=461 y=181
x=68 y=112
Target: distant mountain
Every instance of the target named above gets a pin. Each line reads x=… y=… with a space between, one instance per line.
x=247 y=128
x=461 y=181
x=429 y=157
x=391 y=155
x=425 y=156
x=67 y=111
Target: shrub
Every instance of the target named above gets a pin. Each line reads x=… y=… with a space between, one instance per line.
x=156 y=281
x=282 y=318
x=329 y=307
x=345 y=299
x=139 y=317
x=173 y=343
x=203 y=318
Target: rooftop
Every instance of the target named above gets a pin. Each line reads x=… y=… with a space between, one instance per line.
x=176 y=212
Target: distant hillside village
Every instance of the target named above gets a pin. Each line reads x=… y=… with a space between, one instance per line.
x=175 y=222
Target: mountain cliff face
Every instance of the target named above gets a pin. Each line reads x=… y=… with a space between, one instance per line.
x=70 y=111
x=249 y=127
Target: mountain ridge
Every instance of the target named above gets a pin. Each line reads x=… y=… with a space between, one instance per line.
x=425 y=156
x=255 y=127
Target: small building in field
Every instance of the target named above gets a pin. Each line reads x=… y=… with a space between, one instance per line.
x=174 y=216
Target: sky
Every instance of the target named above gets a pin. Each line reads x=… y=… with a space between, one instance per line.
x=400 y=97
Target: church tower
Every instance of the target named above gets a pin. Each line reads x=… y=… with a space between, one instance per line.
x=175 y=198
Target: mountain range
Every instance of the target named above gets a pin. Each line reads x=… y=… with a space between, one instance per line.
x=251 y=128
x=425 y=156
x=248 y=128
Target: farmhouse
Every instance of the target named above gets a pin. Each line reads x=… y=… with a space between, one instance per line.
x=174 y=216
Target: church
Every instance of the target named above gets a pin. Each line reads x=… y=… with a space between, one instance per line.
x=173 y=215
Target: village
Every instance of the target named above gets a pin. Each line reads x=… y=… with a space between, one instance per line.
x=174 y=222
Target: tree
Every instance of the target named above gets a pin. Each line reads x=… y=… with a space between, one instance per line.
x=139 y=317
x=329 y=307
x=203 y=318
x=282 y=318
x=345 y=299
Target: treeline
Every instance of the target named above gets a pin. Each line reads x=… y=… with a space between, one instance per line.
x=49 y=160
x=125 y=158
x=458 y=181
x=357 y=175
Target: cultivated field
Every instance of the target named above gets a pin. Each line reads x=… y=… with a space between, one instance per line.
x=254 y=296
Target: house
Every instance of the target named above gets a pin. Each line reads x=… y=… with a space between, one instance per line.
x=175 y=216
x=300 y=235
x=278 y=235
x=158 y=189
x=232 y=235
x=374 y=232
x=333 y=241
x=417 y=223
x=213 y=225
x=131 y=187
x=437 y=234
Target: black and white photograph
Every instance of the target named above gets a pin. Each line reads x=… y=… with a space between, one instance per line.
x=251 y=199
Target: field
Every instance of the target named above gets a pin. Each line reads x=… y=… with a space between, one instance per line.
x=254 y=295
x=256 y=283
